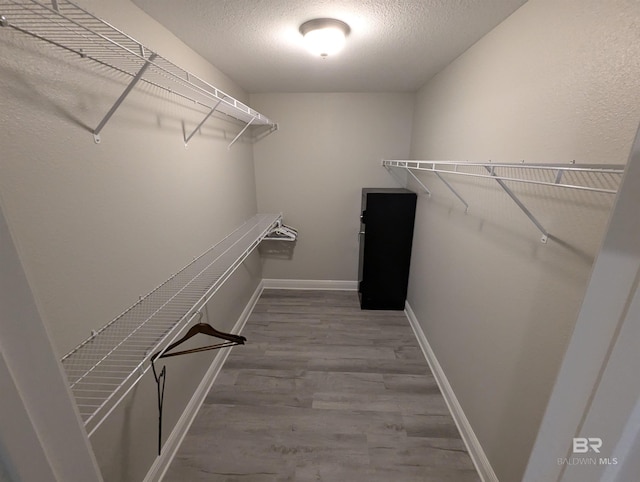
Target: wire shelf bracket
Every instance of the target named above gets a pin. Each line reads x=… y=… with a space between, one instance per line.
x=67 y=26
x=523 y=208
x=557 y=175
x=451 y=188
x=240 y=133
x=188 y=138
x=419 y=182
x=103 y=369
x=127 y=90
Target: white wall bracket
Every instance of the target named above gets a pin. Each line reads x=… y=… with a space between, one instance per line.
x=240 y=133
x=404 y=182
x=545 y=234
x=451 y=188
x=188 y=138
x=125 y=93
x=419 y=182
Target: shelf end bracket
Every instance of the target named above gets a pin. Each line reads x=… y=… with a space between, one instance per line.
x=418 y=181
x=125 y=93
x=188 y=138
x=446 y=183
x=545 y=233
x=240 y=133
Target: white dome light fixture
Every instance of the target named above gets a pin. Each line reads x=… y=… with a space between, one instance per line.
x=324 y=36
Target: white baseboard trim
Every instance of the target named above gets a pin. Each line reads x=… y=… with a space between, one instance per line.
x=310 y=284
x=469 y=438
x=171 y=446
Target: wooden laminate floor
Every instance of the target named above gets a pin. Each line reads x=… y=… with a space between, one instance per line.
x=323 y=391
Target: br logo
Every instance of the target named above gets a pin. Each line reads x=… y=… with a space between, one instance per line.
x=582 y=445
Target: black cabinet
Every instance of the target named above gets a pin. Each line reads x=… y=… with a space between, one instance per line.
x=386 y=234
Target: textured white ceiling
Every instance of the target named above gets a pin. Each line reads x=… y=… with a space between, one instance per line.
x=394 y=45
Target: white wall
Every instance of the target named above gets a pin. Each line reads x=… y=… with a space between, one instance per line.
x=556 y=81
x=41 y=437
x=597 y=392
x=98 y=225
x=328 y=148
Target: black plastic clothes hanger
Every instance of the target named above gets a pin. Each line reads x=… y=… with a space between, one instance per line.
x=205 y=329
x=161 y=378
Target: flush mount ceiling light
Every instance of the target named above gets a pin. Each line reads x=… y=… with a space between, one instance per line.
x=324 y=36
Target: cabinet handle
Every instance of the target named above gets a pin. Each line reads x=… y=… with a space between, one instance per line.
x=361 y=233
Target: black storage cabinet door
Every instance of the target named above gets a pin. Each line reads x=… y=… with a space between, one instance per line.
x=386 y=234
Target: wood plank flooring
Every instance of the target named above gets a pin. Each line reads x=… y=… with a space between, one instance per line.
x=323 y=391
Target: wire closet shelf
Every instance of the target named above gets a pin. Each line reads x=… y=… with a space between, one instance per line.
x=70 y=27
x=106 y=366
x=604 y=179
x=572 y=176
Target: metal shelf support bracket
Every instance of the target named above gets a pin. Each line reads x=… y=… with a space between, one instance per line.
x=466 y=205
x=559 y=176
x=125 y=93
x=403 y=182
x=545 y=234
x=418 y=181
x=240 y=133
x=186 y=141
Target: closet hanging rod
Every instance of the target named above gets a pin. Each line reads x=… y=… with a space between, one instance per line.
x=430 y=166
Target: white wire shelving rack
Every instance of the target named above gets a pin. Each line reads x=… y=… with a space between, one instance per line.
x=65 y=25
x=603 y=179
x=104 y=368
